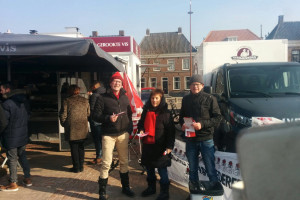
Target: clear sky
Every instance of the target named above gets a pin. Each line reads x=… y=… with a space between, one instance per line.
x=135 y=16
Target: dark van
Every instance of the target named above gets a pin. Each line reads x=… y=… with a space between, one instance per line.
x=254 y=91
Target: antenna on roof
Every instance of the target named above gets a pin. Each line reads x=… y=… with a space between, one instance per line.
x=261 y=37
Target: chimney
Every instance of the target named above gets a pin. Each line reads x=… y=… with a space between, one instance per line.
x=147 y=31
x=179 y=30
x=33 y=32
x=95 y=33
x=121 y=33
x=280 y=19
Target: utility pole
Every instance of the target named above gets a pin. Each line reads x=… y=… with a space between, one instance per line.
x=191 y=62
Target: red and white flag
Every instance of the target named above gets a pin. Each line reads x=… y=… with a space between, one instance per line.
x=135 y=101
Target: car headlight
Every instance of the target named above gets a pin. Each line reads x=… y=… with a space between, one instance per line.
x=240 y=119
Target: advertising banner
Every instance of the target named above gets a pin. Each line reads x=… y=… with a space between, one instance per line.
x=113 y=44
x=227 y=167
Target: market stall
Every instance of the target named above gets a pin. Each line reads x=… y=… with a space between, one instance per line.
x=41 y=64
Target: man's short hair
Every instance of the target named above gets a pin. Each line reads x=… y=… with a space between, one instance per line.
x=7 y=85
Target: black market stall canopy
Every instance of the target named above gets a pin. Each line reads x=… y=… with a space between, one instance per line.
x=24 y=52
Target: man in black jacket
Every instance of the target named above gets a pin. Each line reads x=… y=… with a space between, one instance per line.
x=15 y=136
x=3 y=120
x=205 y=113
x=113 y=110
x=97 y=91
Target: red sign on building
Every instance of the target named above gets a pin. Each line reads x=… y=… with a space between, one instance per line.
x=113 y=44
x=117 y=44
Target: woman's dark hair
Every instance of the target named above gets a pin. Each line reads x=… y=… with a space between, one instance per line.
x=157 y=91
x=73 y=90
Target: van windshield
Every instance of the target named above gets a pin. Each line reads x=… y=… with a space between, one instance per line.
x=264 y=81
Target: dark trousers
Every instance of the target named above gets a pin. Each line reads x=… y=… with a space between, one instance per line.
x=163 y=173
x=77 y=153
x=96 y=132
x=13 y=155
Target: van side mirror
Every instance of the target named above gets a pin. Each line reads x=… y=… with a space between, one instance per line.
x=208 y=89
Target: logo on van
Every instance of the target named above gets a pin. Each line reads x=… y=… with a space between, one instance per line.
x=244 y=53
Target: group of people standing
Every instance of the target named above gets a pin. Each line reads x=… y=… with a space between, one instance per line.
x=110 y=116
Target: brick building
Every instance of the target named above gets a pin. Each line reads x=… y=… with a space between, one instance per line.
x=290 y=31
x=165 y=59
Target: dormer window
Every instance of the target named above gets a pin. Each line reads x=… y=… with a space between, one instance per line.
x=231 y=38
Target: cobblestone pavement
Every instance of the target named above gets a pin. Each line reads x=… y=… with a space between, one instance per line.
x=53 y=181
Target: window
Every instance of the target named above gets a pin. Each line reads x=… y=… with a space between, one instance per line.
x=143 y=82
x=176 y=85
x=153 y=82
x=295 y=56
x=155 y=69
x=186 y=82
x=231 y=38
x=171 y=64
x=186 y=64
x=143 y=69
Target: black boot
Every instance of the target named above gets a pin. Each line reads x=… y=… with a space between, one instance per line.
x=102 y=188
x=151 y=189
x=164 y=192
x=125 y=185
x=194 y=187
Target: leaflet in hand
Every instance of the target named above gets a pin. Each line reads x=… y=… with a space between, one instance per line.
x=142 y=134
x=190 y=130
x=121 y=113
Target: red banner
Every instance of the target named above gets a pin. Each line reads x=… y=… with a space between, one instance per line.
x=135 y=101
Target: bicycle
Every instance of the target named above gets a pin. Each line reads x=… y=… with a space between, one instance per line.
x=175 y=114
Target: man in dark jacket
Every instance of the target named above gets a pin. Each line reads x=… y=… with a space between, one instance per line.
x=15 y=136
x=113 y=110
x=205 y=113
x=97 y=90
x=3 y=120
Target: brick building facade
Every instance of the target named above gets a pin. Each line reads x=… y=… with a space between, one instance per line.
x=165 y=59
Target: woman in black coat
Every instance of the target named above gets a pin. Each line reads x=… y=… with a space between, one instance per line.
x=157 y=123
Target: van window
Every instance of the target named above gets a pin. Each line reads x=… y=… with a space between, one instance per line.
x=264 y=81
x=220 y=83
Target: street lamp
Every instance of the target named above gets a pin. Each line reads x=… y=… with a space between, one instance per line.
x=190 y=13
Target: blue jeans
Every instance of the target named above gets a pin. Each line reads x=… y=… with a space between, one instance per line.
x=96 y=133
x=12 y=155
x=163 y=173
x=207 y=149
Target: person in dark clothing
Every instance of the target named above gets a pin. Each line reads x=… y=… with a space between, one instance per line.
x=204 y=111
x=15 y=136
x=97 y=90
x=113 y=110
x=3 y=120
x=157 y=123
x=73 y=117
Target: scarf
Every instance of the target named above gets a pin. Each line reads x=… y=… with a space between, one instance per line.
x=149 y=126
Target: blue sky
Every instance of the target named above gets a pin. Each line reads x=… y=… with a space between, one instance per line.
x=135 y=16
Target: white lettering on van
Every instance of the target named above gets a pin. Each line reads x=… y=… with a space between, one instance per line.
x=288 y=120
